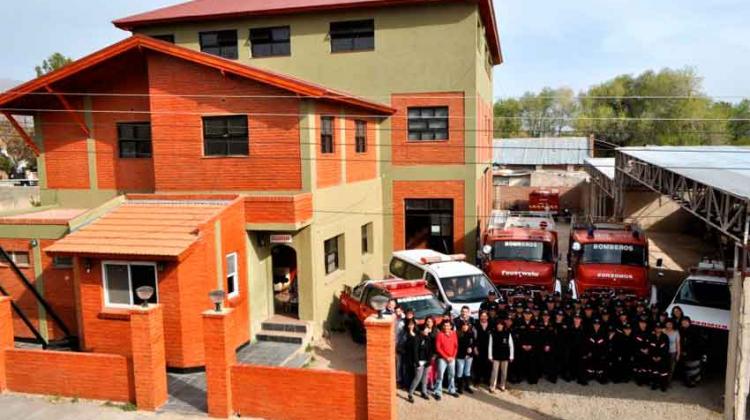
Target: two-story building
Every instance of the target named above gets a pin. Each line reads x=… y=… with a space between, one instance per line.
x=275 y=150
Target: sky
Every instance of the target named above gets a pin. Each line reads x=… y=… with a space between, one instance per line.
x=573 y=43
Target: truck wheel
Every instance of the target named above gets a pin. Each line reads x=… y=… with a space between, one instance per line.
x=357 y=331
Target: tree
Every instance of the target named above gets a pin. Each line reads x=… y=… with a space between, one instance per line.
x=15 y=151
x=52 y=63
x=547 y=113
x=505 y=121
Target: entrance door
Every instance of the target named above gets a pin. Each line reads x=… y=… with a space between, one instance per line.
x=429 y=224
x=285 y=284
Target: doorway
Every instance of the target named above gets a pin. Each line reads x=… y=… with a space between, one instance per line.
x=429 y=224
x=285 y=284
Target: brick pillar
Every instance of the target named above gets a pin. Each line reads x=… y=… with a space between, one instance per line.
x=6 y=337
x=220 y=355
x=381 y=368
x=149 y=361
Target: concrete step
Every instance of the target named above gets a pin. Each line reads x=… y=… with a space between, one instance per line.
x=283 y=337
x=298 y=360
x=280 y=323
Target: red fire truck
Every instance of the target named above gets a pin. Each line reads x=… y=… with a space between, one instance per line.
x=609 y=258
x=520 y=249
x=545 y=200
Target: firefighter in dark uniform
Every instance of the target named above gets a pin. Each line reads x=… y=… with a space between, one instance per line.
x=548 y=346
x=621 y=354
x=693 y=354
x=490 y=303
x=561 y=333
x=588 y=317
x=641 y=360
x=596 y=352
x=574 y=343
x=659 y=354
x=527 y=357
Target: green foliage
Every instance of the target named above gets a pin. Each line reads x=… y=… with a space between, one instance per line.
x=664 y=107
x=52 y=63
x=16 y=150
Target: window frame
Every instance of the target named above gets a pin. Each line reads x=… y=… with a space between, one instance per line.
x=12 y=255
x=135 y=141
x=225 y=137
x=360 y=138
x=221 y=53
x=56 y=264
x=366 y=238
x=236 y=277
x=271 y=41
x=327 y=141
x=340 y=29
x=421 y=131
x=337 y=253
x=106 y=302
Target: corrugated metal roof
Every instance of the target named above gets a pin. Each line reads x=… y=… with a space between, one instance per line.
x=541 y=151
x=154 y=228
x=723 y=167
x=604 y=165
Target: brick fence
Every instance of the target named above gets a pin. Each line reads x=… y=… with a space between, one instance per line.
x=140 y=379
x=286 y=394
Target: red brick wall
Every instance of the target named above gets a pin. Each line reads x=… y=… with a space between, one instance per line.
x=278 y=209
x=436 y=152
x=328 y=165
x=274 y=161
x=65 y=153
x=16 y=289
x=59 y=293
x=130 y=174
x=84 y=375
x=284 y=393
x=360 y=166
x=428 y=189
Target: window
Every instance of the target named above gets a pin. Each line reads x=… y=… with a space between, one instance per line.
x=232 y=280
x=428 y=123
x=21 y=258
x=360 y=136
x=164 y=37
x=225 y=136
x=332 y=258
x=367 y=238
x=62 y=262
x=121 y=280
x=357 y=35
x=221 y=43
x=326 y=134
x=270 y=42
x=134 y=139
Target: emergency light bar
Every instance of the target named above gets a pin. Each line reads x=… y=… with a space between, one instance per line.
x=403 y=284
x=443 y=258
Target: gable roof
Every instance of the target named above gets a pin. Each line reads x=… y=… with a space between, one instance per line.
x=291 y=84
x=196 y=10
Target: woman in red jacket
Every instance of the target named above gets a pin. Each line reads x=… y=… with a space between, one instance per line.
x=446 y=347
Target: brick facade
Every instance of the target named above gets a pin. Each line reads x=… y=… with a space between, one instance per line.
x=218 y=330
x=280 y=209
x=423 y=152
x=149 y=363
x=360 y=166
x=453 y=190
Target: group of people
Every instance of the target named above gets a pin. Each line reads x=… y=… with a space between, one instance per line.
x=525 y=337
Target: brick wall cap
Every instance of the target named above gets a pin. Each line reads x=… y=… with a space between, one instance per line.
x=373 y=320
x=213 y=314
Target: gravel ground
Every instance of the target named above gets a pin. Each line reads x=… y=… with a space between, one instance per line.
x=572 y=401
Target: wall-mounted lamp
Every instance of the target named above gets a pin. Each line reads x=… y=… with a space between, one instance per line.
x=33 y=243
x=87 y=265
x=144 y=293
x=217 y=297
x=378 y=303
x=160 y=266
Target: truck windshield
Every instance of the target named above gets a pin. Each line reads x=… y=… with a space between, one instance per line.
x=422 y=305
x=466 y=289
x=624 y=254
x=704 y=293
x=522 y=251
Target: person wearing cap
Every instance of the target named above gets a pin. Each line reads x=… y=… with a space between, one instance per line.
x=621 y=354
x=575 y=342
x=561 y=326
x=446 y=347
x=693 y=352
x=596 y=353
x=548 y=347
x=500 y=353
x=642 y=360
x=528 y=343
x=490 y=303
x=588 y=317
x=659 y=354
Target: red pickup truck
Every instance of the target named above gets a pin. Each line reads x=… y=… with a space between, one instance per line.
x=354 y=302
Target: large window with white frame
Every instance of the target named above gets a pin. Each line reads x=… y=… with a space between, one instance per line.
x=121 y=279
x=232 y=278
